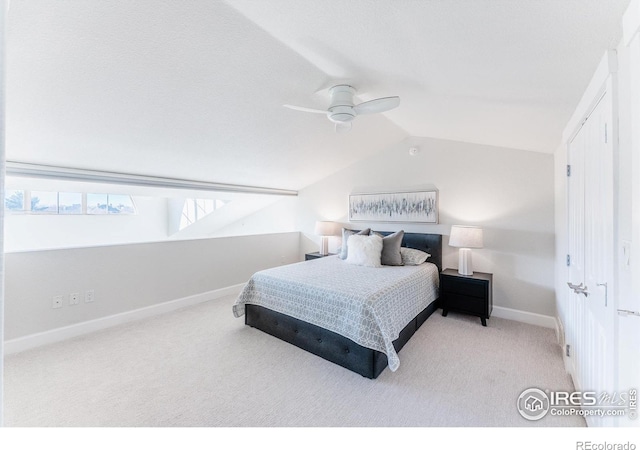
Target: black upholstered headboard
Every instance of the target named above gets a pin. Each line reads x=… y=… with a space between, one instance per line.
x=430 y=243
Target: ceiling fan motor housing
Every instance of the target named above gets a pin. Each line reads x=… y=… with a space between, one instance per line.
x=341 y=109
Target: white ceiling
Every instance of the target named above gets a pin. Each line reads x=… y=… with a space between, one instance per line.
x=194 y=89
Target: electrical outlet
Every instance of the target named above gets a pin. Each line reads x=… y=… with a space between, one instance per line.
x=89 y=296
x=57 y=301
x=74 y=298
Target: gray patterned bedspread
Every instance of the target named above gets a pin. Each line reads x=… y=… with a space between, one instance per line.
x=368 y=305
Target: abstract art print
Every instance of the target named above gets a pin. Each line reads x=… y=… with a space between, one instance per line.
x=421 y=206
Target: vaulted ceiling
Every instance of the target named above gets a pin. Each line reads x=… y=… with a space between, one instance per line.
x=194 y=89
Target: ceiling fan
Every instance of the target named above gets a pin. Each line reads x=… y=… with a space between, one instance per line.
x=342 y=110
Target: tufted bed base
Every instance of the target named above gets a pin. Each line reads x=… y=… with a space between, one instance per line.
x=337 y=348
x=327 y=344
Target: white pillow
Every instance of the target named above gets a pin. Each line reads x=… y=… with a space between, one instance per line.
x=342 y=252
x=365 y=250
x=412 y=256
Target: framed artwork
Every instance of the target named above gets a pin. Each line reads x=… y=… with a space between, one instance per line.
x=415 y=206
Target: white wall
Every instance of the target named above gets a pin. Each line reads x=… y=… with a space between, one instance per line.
x=628 y=329
x=128 y=277
x=276 y=218
x=560 y=175
x=26 y=232
x=239 y=205
x=507 y=192
x=157 y=219
x=2 y=186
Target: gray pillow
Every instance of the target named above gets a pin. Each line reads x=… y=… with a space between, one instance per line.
x=391 y=249
x=345 y=238
x=413 y=257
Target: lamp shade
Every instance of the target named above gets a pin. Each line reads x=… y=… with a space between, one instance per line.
x=326 y=228
x=465 y=237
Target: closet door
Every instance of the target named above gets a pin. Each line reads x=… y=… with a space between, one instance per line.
x=591 y=243
x=576 y=248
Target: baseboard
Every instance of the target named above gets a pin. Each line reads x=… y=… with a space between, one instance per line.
x=524 y=316
x=562 y=343
x=560 y=333
x=59 y=334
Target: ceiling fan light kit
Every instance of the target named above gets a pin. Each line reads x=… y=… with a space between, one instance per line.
x=342 y=110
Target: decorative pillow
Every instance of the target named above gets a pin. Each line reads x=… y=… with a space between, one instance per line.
x=391 y=248
x=342 y=254
x=413 y=257
x=365 y=250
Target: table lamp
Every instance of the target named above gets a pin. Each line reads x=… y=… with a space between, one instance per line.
x=325 y=229
x=465 y=238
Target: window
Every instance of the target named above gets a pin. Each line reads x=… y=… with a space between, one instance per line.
x=14 y=200
x=196 y=208
x=97 y=203
x=120 y=204
x=44 y=202
x=67 y=203
x=110 y=204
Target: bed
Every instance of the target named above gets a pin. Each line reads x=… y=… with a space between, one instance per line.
x=356 y=317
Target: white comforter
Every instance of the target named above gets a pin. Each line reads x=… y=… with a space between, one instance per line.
x=368 y=305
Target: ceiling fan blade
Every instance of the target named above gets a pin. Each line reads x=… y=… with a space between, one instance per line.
x=343 y=127
x=302 y=108
x=377 y=106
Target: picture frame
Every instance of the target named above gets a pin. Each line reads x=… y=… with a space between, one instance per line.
x=400 y=207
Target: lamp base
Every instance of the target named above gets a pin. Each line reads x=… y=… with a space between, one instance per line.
x=464 y=262
x=324 y=246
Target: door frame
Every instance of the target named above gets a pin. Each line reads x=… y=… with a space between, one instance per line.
x=603 y=81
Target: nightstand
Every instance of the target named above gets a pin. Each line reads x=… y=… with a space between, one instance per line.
x=315 y=255
x=470 y=294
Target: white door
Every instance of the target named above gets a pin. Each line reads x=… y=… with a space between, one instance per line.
x=591 y=244
x=576 y=241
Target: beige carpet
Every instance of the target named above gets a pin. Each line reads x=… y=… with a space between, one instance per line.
x=200 y=366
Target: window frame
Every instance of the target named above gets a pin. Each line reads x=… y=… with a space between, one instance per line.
x=27 y=206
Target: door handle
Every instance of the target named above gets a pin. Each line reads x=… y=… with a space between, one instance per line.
x=606 y=292
x=579 y=289
x=582 y=291
x=574 y=286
